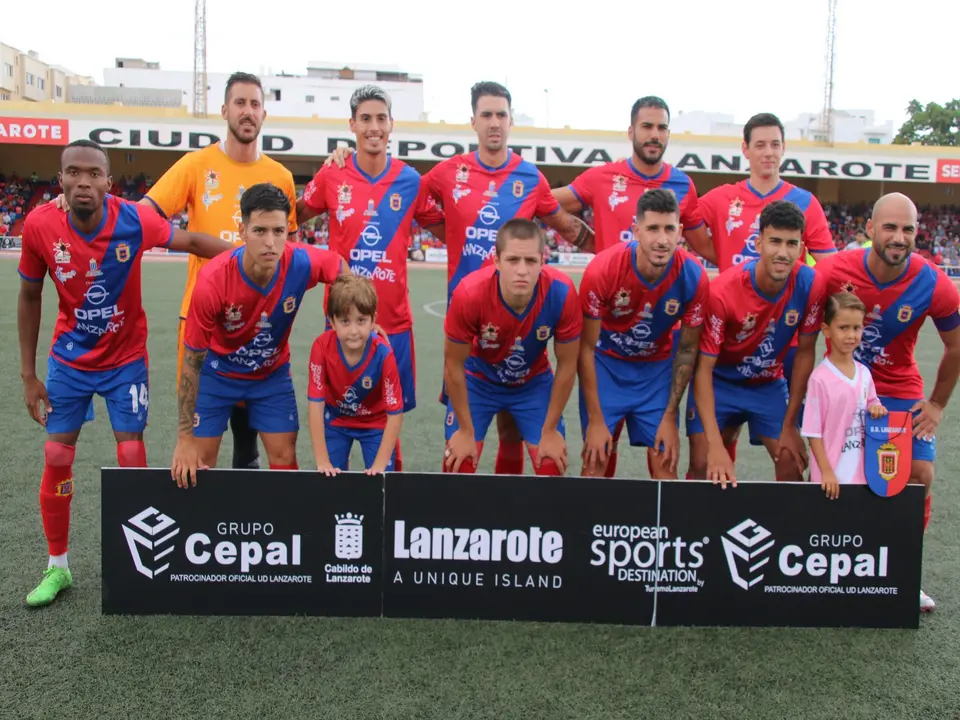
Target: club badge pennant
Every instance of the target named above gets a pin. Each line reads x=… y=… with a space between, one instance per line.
x=888 y=452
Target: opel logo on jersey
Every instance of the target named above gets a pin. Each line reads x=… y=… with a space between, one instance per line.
x=370 y=235
x=871 y=334
x=488 y=215
x=96 y=295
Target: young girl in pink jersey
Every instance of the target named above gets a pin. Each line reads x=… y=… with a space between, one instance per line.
x=839 y=393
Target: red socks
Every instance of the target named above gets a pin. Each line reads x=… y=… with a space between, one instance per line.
x=295 y=466
x=509 y=459
x=732 y=451
x=547 y=468
x=397 y=458
x=56 y=492
x=611 y=470
x=132 y=454
x=926 y=511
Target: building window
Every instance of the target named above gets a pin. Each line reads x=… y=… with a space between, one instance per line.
x=309 y=98
x=29 y=78
x=9 y=69
x=334 y=98
x=40 y=83
x=4 y=96
x=274 y=95
x=59 y=91
x=873 y=141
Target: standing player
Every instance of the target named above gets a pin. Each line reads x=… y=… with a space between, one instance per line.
x=93 y=255
x=354 y=384
x=236 y=343
x=372 y=201
x=632 y=295
x=900 y=290
x=209 y=183
x=755 y=309
x=479 y=192
x=495 y=355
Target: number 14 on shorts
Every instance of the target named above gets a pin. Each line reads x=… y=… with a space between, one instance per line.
x=139 y=398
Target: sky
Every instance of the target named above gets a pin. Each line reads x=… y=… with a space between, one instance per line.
x=578 y=69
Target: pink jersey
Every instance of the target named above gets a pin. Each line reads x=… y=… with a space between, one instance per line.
x=101 y=324
x=637 y=319
x=613 y=189
x=511 y=349
x=478 y=199
x=895 y=313
x=357 y=396
x=244 y=326
x=370 y=219
x=834 y=412
x=732 y=212
x=750 y=332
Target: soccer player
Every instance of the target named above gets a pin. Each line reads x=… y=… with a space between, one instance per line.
x=495 y=355
x=755 y=309
x=209 y=183
x=93 y=255
x=900 y=290
x=372 y=202
x=632 y=296
x=236 y=342
x=354 y=387
x=479 y=192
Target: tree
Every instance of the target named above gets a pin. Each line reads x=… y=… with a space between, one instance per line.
x=934 y=124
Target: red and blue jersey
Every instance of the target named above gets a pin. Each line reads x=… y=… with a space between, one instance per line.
x=101 y=324
x=478 y=199
x=895 y=313
x=370 y=219
x=357 y=396
x=749 y=332
x=245 y=327
x=732 y=212
x=613 y=189
x=636 y=317
x=510 y=348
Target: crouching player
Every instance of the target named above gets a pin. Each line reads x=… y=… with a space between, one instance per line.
x=236 y=341
x=355 y=391
x=495 y=356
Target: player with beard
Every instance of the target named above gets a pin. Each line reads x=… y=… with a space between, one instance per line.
x=208 y=184
x=900 y=291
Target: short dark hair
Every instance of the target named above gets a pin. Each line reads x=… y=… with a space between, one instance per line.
x=650 y=101
x=485 y=88
x=783 y=215
x=658 y=201
x=761 y=120
x=241 y=78
x=519 y=229
x=842 y=301
x=265 y=197
x=84 y=143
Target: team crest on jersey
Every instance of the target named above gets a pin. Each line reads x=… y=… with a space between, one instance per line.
x=396 y=202
x=736 y=208
x=94 y=270
x=888 y=458
x=289 y=304
x=488 y=332
x=61 y=256
x=875 y=313
x=647 y=312
x=622 y=298
x=264 y=323
x=463 y=173
x=64 y=488
x=619 y=183
x=371 y=210
x=672 y=306
x=518 y=188
x=232 y=313
x=123 y=252
x=543 y=332
x=345 y=194
x=904 y=313
x=366 y=382
x=747 y=327
x=792 y=317
x=491 y=191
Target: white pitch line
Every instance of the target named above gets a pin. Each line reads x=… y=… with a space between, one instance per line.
x=429 y=308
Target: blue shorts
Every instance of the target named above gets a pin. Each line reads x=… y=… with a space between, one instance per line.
x=925 y=450
x=527 y=404
x=271 y=402
x=762 y=407
x=403 y=351
x=340 y=442
x=637 y=392
x=126 y=390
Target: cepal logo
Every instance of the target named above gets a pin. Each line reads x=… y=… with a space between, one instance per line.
x=152 y=531
x=745 y=547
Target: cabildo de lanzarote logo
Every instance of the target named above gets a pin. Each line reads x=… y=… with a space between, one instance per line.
x=348 y=545
x=477 y=557
x=825 y=563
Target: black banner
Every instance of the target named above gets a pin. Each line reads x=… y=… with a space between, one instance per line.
x=782 y=554
x=511 y=548
x=242 y=543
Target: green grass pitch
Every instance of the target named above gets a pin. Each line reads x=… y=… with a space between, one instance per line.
x=67 y=661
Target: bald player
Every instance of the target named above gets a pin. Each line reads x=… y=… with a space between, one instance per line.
x=901 y=290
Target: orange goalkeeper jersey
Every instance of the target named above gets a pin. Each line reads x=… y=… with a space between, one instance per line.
x=208 y=184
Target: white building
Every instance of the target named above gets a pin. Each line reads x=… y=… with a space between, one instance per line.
x=323 y=92
x=849 y=126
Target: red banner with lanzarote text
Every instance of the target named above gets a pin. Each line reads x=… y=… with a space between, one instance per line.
x=34 y=131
